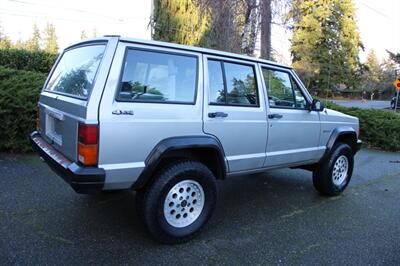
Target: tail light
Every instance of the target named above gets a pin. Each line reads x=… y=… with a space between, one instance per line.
x=37 y=118
x=88 y=144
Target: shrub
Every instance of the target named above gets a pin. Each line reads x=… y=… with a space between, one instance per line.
x=20 y=59
x=19 y=93
x=378 y=128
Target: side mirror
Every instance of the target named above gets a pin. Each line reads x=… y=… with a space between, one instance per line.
x=317 y=106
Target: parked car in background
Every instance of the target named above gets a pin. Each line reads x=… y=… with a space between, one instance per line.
x=393 y=102
x=169 y=120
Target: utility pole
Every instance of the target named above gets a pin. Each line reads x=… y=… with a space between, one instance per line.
x=398 y=91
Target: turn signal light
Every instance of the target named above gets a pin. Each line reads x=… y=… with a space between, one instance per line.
x=88 y=144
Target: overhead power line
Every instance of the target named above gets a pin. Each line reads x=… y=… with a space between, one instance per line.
x=18 y=13
x=65 y=8
x=377 y=11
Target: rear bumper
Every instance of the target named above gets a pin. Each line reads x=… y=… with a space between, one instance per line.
x=85 y=180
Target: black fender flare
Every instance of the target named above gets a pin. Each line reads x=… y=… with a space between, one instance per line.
x=336 y=133
x=172 y=144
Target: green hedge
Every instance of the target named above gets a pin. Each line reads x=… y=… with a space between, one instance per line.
x=378 y=128
x=27 y=60
x=19 y=93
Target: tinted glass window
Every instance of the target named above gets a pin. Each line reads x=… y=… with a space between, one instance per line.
x=241 y=85
x=158 y=77
x=76 y=71
x=282 y=90
x=238 y=87
x=299 y=97
x=216 y=82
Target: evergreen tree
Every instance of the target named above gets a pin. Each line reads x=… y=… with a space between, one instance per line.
x=179 y=21
x=5 y=42
x=50 y=39
x=19 y=44
x=388 y=70
x=371 y=79
x=227 y=20
x=83 y=35
x=94 y=33
x=394 y=57
x=326 y=43
x=33 y=43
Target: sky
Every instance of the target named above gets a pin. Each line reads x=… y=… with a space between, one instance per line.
x=378 y=22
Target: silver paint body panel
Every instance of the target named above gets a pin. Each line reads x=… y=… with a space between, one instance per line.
x=128 y=131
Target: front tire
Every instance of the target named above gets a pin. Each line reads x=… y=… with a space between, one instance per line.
x=333 y=175
x=179 y=201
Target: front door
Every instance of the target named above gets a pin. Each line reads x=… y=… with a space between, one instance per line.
x=234 y=111
x=293 y=130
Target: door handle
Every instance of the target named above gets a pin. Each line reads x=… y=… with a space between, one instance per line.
x=217 y=114
x=277 y=116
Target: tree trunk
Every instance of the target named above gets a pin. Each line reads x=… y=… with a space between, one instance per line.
x=247 y=26
x=266 y=18
x=255 y=26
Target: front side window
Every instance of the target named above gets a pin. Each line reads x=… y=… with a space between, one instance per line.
x=158 y=77
x=282 y=90
x=76 y=71
x=232 y=84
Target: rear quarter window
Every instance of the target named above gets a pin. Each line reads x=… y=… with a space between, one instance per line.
x=76 y=71
x=158 y=77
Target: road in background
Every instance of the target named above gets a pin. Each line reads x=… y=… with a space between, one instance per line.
x=271 y=218
x=363 y=104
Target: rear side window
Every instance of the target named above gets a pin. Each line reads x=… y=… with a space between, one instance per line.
x=76 y=71
x=150 y=76
x=232 y=84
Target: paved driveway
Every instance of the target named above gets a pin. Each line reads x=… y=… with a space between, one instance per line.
x=364 y=104
x=271 y=218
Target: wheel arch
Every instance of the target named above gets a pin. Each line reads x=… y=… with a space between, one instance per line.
x=205 y=149
x=346 y=135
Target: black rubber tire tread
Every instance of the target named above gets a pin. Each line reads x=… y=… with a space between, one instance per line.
x=322 y=175
x=151 y=200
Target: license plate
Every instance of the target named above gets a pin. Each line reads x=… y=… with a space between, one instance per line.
x=53 y=127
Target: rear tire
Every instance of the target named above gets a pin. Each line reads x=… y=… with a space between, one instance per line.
x=178 y=202
x=333 y=175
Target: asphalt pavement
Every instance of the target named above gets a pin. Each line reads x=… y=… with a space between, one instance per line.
x=271 y=218
x=366 y=104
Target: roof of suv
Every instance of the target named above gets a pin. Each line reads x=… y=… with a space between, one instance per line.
x=185 y=47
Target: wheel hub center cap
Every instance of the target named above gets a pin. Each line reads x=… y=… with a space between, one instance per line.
x=183 y=204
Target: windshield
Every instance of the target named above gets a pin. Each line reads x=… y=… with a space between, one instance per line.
x=76 y=71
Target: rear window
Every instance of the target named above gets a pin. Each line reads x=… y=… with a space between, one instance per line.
x=76 y=71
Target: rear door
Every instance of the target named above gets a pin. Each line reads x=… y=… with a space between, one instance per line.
x=72 y=92
x=294 y=131
x=234 y=111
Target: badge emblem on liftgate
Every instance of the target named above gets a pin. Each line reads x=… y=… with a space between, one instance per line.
x=122 y=112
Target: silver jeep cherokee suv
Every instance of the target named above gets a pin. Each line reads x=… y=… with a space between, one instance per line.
x=168 y=120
